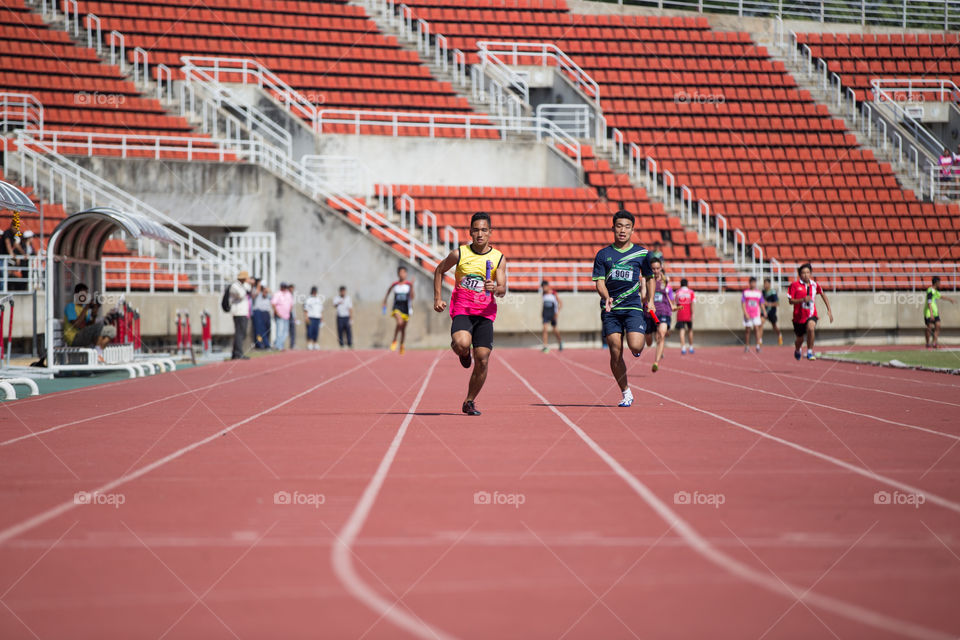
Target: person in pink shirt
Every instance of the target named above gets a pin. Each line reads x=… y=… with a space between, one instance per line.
x=282 y=302
x=685 y=300
x=754 y=313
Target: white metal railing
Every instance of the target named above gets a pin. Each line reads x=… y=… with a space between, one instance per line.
x=126 y=145
x=915 y=89
x=22 y=273
x=572 y=118
x=150 y=275
x=905 y=14
x=493 y=66
x=431 y=124
x=887 y=93
x=347 y=173
x=539 y=54
x=251 y=72
x=20 y=110
x=40 y=165
x=257 y=250
x=203 y=95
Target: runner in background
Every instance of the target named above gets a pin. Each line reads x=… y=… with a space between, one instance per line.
x=771 y=303
x=550 y=314
x=663 y=301
x=754 y=312
x=685 y=300
x=402 y=291
x=931 y=313
x=803 y=293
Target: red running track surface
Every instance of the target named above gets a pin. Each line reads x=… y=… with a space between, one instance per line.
x=738 y=498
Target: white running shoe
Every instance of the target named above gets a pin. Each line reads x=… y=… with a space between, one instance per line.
x=627 y=399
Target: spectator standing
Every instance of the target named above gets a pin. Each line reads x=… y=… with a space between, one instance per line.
x=282 y=302
x=261 y=318
x=550 y=312
x=946 y=165
x=956 y=164
x=240 y=310
x=344 y=306
x=294 y=321
x=313 y=311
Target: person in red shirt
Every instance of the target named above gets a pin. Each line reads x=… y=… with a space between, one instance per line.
x=685 y=300
x=803 y=293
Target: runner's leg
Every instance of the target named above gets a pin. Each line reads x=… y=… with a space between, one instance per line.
x=481 y=358
x=617 y=366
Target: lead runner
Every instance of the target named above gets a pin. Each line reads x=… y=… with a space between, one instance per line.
x=479 y=277
x=623 y=272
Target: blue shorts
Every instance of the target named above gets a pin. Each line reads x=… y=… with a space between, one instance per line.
x=626 y=321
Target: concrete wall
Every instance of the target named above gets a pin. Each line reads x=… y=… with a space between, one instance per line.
x=415 y=160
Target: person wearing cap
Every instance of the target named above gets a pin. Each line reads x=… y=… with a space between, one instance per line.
x=107 y=333
x=240 y=310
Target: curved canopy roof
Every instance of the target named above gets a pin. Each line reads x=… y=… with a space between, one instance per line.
x=83 y=234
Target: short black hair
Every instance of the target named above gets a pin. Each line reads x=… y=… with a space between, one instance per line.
x=752 y=279
x=544 y=283
x=481 y=215
x=343 y=288
x=683 y=282
x=655 y=258
x=402 y=266
x=80 y=287
x=805 y=265
x=313 y=291
x=623 y=214
x=936 y=280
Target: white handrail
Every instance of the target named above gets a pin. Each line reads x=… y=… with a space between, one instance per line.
x=541 y=52
x=21 y=110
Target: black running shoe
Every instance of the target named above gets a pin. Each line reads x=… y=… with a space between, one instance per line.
x=465 y=361
x=469 y=408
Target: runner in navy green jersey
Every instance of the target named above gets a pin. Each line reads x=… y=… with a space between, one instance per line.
x=624 y=280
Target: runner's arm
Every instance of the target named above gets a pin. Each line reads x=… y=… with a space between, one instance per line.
x=823 y=294
x=651 y=288
x=445 y=265
x=501 y=288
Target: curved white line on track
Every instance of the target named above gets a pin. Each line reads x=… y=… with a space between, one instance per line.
x=702 y=546
x=342 y=552
x=792 y=376
x=35 y=434
x=63 y=507
x=905 y=425
x=932 y=497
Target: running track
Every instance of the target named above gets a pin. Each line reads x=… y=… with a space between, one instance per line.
x=602 y=546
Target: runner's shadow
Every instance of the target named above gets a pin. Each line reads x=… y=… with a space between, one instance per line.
x=421 y=414
x=559 y=404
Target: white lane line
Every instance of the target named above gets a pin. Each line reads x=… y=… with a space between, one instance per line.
x=931 y=497
x=905 y=425
x=727 y=365
x=218 y=383
x=702 y=546
x=342 y=551
x=63 y=507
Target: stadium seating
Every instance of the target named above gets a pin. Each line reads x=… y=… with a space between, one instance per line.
x=714 y=109
x=78 y=92
x=331 y=52
x=859 y=58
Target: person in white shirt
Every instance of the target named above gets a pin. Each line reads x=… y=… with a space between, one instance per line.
x=344 y=306
x=313 y=310
x=240 y=310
